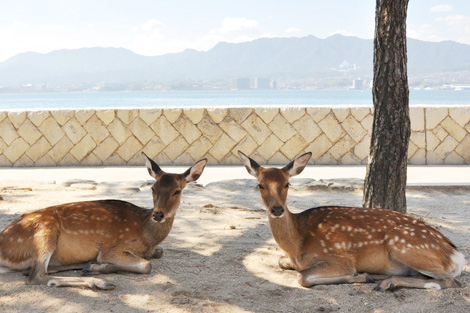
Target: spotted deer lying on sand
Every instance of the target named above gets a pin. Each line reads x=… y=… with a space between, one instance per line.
x=331 y=244
x=118 y=235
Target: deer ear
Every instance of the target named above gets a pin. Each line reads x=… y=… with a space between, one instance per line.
x=195 y=171
x=297 y=166
x=251 y=166
x=152 y=167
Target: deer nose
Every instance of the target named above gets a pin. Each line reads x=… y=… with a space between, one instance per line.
x=277 y=210
x=158 y=216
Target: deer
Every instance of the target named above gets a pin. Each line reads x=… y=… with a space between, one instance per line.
x=345 y=245
x=98 y=237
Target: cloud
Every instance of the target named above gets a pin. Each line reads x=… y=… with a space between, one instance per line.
x=151 y=25
x=441 y=8
x=231 y=24
x=341 y=32
x=459 y=25
x=292 y=30
x=425 y=32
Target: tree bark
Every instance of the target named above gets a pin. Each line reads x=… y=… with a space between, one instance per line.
x=385 y=182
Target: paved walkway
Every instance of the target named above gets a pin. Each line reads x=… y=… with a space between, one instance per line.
x=417 y=175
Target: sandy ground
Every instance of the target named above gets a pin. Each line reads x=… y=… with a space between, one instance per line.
x=220 y=255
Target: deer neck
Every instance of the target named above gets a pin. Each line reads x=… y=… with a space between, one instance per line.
x=155 y=231
x=286 y=232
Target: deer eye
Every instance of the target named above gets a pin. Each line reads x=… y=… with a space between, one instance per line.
x=260 y=187
x=287 y=185
x=177 y=192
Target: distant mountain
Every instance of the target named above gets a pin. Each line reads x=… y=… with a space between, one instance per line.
x=294 y=58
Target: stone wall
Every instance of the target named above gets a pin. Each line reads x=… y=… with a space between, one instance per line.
x=335 y=135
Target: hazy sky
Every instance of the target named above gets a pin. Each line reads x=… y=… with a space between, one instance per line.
x=154 y=27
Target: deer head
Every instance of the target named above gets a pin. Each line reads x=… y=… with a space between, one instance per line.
x=166 y=191
x=273 y=183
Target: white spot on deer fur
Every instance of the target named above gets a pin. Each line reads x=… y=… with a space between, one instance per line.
x=337 y=246
x=409 y=246
x=396 y=238
x=412 y=234
x=127 y=229
x=349 y=228
x=424 y=230
x=405 y=232
x=403 y=251
x=391 y=242
x=360 y=244
x=331 y=249
x=414 y=221
x=439 y=236
x=325 y=250
x=322 y=243
x=422 y=236
x=405 y=218
x=402 y=240
x=386 y=236
x=458 y=261
x=20 y=240
x=432 y=286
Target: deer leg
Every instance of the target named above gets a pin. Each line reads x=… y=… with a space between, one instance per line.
x=332 y=273
x=157 y=253
x=285 y=263
x=119 y=262
x=411 y=282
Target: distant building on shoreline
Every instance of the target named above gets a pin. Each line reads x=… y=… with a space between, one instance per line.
x=241 y=83
x=262 y=83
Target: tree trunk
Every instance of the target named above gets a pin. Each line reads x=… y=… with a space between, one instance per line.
x=385 y=183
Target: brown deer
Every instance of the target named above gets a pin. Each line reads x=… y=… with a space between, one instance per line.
x=340 y=245
x=117 y=235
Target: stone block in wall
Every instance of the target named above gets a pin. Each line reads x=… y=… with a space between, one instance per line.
x=247 y=145
x=37 y=117
x=210 y=129
x=62 y=116
x=331 y=127
x=83 y=116
x=240 y=114
x=17 y=118
x=175 y=148
x=341 y=147
x=434 y=116
x=293 y=147
x=97 y=129
x=320 y=146
x=361 y=150
x=51 y=130
x=359 y=113
x=222 y=147
x=164 y=130
x=39 y=149
x=417 y=119
x=141 y=130
x=199 y=148
x=461 y=115
x=29 y=132
x=9 y=133
x=16 y=149
x=307 y=128
x=282 y=128
x=187 y=129
x=318 y=114
x=269 y=147
x=194 y=115
x=106 y=148
x=233 y=129
x=129 y=149
x=341 y=113
x=83 y=148
x=453 y=128
x=217 y=115
x=353 y=128
x=106 y=116
x=452 y=158
x=119 y=131
x=74 y=130
x=463 y=149
x=127 y=115
x=292 y=114
x=266 y=114
x=256 y=128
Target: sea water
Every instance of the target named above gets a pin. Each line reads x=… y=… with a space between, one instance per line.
x=217 y=98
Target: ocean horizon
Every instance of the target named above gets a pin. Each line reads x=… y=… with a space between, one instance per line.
x=216 y=98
